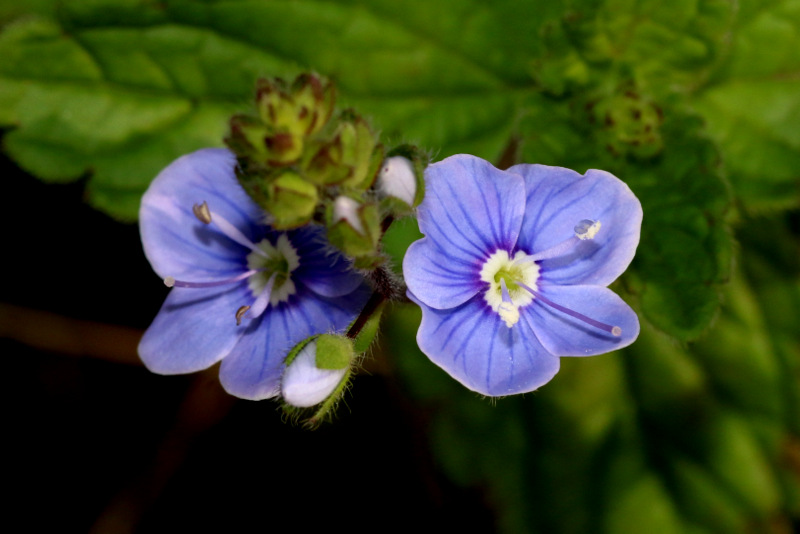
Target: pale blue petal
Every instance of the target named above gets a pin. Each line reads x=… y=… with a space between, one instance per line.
x=557 y=199
x=470 y=208
x=174 y=240
x=254 y=367
x=194 y=329
x=323 y=269
x=563 y=335
x=476 y=348
x=438 y=280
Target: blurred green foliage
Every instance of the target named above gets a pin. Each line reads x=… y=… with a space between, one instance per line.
x=694 y=103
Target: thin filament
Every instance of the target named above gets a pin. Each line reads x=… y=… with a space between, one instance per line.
x=262 y=301
x=224 y=226
x=553 y=252
x=171 y=282
x=613 y=330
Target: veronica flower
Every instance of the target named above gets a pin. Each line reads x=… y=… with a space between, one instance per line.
x=512 y=270
x=241 y=292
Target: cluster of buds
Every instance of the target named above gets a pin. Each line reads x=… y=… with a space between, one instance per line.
x=302 y=162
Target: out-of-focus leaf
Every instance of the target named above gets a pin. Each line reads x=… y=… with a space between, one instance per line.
x=752 y=106
x=118 y=88
x=657 y=437
x=685 y=249
x=13 y=9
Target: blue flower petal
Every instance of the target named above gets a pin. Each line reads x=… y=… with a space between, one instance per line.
x=194 y=329
x=174 y=240
x=254 y=367
x=439 y=280
x=557 y=199
x=323 y=269
x=563 y=335
x=474 y=346
x=470 y=208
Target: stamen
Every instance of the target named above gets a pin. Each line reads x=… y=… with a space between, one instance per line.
x=240 y=313
x=584 y=230
x=613 y=330
x=202 y=212
x=171 y=282
x=507 y=310
x=262 y=301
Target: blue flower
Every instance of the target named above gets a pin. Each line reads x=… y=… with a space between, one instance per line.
x=512 y=270
x=242 y=292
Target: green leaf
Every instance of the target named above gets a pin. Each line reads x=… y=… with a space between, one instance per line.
x=658 y=437
x=118 y=88
x=685 y=249
x=752 y=106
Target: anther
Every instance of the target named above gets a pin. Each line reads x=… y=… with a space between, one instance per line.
x=202 y=212
x=240 y=313
x=613 y=330
x=586 y=229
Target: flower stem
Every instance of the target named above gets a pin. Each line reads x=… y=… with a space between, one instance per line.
x=375 y=300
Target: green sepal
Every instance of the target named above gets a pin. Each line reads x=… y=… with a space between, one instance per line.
x=246 y=138
x=315 y=98
x=334 y=352
x=358 y=151
x=301 y=109
x=322 y=163
x=367 y=334
x=291 y=201
x=378 y=155
x=297 y=348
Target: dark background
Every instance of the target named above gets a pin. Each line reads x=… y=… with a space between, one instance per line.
x=97 y=443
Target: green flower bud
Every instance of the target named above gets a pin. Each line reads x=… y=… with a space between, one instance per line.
x=349 y=157
x=315 y=98
x=291 y=201
x=322 y=164
x=286 y=119
x=355 y=229
x=359 y=147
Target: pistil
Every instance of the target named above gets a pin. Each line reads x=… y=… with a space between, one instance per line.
x=507 y=310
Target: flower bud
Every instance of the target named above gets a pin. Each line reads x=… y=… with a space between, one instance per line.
x=360 y=149
x=346 y=209
x=397 y=179
x=317 y=371
x=291 y=201
x=355 y=229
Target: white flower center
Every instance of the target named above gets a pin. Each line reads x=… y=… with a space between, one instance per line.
x=279 y=260
x=519 y=269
